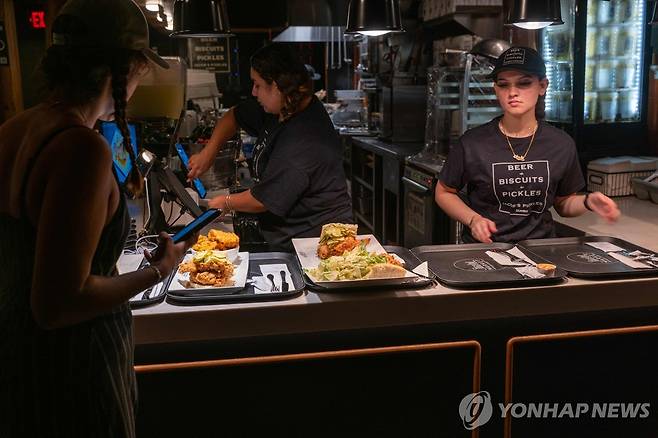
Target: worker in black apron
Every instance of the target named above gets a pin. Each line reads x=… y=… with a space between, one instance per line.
x=297 y=165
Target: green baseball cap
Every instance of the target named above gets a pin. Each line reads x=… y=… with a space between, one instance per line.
x=111 y=24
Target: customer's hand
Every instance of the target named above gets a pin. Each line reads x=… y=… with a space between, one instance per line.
x=482 y=228
x=603 y=206
x=200 y=163
x=167 y=254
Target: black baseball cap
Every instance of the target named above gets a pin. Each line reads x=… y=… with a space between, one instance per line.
x=111 y=24
x=523 y=59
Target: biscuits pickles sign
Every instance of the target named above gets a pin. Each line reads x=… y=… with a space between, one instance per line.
x=4 y=53
x=210 y=54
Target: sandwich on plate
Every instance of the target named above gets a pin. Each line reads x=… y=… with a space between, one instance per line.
x=357 y=264
x=208 y=268
x=336 y=239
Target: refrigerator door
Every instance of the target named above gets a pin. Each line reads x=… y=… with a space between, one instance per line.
x=557 y=44
x=614 y=61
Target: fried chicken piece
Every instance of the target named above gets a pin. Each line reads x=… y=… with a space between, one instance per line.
x=207 y=278
x=223 y=240
x=203 y=244
x=324 y=252
x=187 y=267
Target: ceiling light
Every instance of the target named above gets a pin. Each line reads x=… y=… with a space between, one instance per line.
x=373 y=17
x=534 y=14
x=200 y=18
x=153 y=5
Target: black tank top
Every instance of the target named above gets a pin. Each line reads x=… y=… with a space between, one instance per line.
x=77 y=381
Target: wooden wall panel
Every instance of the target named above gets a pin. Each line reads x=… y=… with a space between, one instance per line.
x=11 y=96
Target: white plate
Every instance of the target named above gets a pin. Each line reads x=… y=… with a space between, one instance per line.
x=240 y=271
x=307 y=248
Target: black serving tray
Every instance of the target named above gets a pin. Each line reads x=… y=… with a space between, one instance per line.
x=247 y=294
x=410 y=263
x=467 y=266
x=581 y=260
x=151 y=299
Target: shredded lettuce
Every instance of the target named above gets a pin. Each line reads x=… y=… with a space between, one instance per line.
x=352 y=265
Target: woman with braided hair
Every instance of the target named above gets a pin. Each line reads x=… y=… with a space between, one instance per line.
x=66 y=348
x=297 y=167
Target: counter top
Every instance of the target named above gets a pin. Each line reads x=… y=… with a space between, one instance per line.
x=320 y=312
x=398 y=151
x=315 y=312
x=637 y=224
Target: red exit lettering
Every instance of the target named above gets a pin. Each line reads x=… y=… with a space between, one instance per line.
x=38 y=19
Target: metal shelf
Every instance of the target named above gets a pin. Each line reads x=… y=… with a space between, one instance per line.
x=363 y=220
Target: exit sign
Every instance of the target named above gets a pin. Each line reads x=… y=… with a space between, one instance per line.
x=38 y=19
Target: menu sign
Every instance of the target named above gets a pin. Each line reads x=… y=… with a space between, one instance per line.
x=4 y=53
x=210 y=54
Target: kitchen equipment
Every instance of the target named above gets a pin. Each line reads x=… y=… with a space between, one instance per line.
x=612 y=175
x=490 y=48
x=408 y=124
x=605 y=44
x=351 y=111
x=454 y=107
x=424 y=222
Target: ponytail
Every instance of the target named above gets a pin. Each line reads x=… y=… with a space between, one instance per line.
x=120 y=72
x=540 y=108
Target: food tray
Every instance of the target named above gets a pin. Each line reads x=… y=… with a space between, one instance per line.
x=581 y=260
x=467 y=266
x=246 y=294
x=413 y=281
x=154 y=294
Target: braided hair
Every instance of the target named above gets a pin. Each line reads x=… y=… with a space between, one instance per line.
x=277 y=63
x=120 y=71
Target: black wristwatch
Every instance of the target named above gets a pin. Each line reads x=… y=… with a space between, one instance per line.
x=585 y=202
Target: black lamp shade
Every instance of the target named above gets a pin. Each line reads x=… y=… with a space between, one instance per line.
x=373 y=15
x=535 y=11
x=200 y=18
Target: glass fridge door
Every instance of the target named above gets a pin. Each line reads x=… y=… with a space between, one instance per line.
x=614 y=61
x=557 y=44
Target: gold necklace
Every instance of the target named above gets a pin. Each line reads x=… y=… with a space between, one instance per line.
x=516 y=156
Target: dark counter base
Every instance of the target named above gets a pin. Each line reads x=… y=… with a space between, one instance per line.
x=405 y=394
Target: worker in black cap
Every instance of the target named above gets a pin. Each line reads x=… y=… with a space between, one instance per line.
x=516 y=167
x=297 y=167
x=66 y=349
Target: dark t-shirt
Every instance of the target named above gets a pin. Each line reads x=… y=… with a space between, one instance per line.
x=516 y=195
x=298 y=171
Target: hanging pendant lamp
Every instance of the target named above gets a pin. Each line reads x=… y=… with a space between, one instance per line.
x=373 y=17
x=534 y=14
x=200 y=18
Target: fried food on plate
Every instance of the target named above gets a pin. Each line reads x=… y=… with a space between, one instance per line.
x=386 y=270
x=336 y=239
x=208 y=268
x=357 y=264
x=217 y=239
